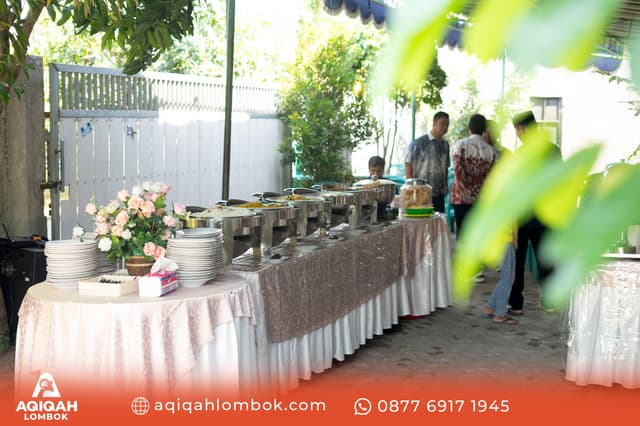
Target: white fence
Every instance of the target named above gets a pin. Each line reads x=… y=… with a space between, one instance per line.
x=114 y=131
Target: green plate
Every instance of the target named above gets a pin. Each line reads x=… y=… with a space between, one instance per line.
x=418 y=211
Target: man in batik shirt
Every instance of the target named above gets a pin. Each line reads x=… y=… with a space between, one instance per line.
x=473 y=158
x=428 y=158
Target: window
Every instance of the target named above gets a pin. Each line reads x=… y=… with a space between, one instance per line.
x=548 y=113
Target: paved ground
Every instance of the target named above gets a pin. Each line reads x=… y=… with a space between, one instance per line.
x=460 y=342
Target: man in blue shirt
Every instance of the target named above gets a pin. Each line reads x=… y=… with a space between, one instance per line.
x=428 y=158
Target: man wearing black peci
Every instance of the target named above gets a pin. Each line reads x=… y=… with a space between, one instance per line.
x=532 y=230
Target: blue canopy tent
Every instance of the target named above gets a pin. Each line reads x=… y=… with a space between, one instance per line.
x=607 y=57
x=367 y=10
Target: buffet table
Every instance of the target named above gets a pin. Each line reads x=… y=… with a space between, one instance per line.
x=263 y=325
x=604 y=327
x=419 y=286
x=425 y=282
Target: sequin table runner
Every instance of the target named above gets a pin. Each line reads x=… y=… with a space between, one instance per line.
x=327 y=280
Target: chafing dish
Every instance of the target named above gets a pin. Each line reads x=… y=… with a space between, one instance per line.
x=366 y=205
x=241 y=229
x=386 y=189
x=344 y=205
x=315 y=211
x=280 y=223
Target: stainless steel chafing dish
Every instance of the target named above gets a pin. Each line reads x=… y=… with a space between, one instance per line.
x=280 y=223
x=386 y=189
x=241 y=229
x=344 y=205
x=315 y=211
x=366 y=205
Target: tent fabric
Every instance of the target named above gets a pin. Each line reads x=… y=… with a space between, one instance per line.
x=367 y=10
x=607 y=57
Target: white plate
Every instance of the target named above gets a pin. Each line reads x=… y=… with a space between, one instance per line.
x=635 y=256
x=198 y=233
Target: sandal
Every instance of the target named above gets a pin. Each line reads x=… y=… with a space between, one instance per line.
x=505 y=320
x=518 y=312
x=488 y=313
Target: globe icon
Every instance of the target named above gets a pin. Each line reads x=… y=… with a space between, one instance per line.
x=140 y=406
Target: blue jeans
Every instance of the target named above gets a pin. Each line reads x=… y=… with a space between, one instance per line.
x=500 y=295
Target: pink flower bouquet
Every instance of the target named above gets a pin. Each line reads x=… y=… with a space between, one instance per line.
x=136 y=223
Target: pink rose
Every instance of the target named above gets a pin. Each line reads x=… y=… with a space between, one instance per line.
x=149 y=249
x=123 y=194
x=102 y=228
x=148 y=208
x=159 y=252
x=100 y=218
x=179 y=208
x=116 y=230
x=122 y=218
x=165 y=188
x=91 y=209
x=170 y=221
x=135 y=202
x=166 y=235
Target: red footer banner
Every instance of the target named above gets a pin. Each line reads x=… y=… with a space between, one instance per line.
x=372 y=400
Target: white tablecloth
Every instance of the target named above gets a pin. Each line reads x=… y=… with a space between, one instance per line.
x=604 y=327
x=428 y=286
x=147 y=344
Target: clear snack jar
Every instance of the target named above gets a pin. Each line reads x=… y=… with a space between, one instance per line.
x=415 y=193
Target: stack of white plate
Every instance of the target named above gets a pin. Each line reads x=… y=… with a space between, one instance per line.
x=69 y=261
x=103 y=264
x=199 y=255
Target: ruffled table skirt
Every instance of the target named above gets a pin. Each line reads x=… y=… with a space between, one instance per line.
x=603 y=345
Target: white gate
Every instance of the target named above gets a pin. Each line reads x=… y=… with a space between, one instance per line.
x=111 y=131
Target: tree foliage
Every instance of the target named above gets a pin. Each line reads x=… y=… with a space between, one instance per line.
x=326 y=109
x=558 y=33
x=142 y=29
x=426 y=93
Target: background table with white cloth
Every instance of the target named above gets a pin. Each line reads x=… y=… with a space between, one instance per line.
x=604 y=327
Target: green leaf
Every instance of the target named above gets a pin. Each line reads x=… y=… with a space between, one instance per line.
x=511 y=191
x=558 y=204
x=415 y=30
x=489 y=32
x=577 y=248
x=561 y=33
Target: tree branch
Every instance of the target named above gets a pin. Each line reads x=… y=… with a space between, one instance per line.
x=16 y=67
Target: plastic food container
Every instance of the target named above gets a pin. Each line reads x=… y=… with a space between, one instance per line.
x=415 y=193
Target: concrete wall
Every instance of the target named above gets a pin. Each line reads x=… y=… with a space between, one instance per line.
x=22 y=157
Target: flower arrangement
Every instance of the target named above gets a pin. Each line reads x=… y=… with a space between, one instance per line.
x=136 y=223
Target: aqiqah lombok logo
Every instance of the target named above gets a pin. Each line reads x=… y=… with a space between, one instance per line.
x=46 y=387
x=46 y=403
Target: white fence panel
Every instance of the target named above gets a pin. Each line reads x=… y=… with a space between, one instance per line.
x=144 y=129
x=119 y=131
x=116 y=157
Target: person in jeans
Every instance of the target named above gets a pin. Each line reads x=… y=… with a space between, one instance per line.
x=428 y=158
x=497 y=304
